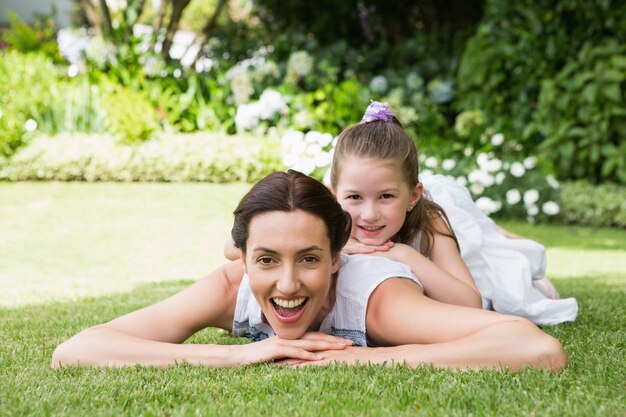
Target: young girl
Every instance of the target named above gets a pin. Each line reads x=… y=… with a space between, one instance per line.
x=374 y=177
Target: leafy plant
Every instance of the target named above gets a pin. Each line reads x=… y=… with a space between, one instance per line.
x=25 y=94
x=582 y=114
x=594 y=205
x=129 y=115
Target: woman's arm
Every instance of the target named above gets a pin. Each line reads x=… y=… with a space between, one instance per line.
x=418 y=330
x=153 y=335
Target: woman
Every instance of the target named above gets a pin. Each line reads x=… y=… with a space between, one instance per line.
x=305 y=304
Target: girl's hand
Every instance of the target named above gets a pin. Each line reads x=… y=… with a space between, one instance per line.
x=354 y=247
x=303 y=349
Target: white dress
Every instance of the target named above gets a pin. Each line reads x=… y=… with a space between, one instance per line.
x=502 y=268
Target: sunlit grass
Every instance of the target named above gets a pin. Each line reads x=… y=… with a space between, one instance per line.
x=75 y=255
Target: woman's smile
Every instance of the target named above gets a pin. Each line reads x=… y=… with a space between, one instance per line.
x=290 y=267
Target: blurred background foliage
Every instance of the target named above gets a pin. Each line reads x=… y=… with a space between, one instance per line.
x=507 y=80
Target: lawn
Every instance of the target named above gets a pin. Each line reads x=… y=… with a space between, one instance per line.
x=74 y=255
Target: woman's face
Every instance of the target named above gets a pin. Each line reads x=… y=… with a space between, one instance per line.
x=289 y=262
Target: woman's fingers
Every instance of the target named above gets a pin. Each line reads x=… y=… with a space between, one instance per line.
x=305 y=349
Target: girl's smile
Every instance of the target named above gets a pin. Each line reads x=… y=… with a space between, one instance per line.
x=377 y=197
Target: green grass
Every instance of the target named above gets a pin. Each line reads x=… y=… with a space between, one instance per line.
x=74 y=255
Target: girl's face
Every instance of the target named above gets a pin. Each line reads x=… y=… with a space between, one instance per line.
x=289 y=262
x=377 y=197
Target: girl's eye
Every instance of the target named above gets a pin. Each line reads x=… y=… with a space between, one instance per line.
x=310 y=259
x=386 y=196
x=353 y=197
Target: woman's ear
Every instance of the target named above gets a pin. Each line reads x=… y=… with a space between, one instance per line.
x=416 y=194
x=336 y=262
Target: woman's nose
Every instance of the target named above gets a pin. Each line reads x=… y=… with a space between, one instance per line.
x=288 y=282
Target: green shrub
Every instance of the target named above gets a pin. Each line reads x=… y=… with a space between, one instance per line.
x=26 y=91
x=40 y=37
x=520 y=43
x=176 y=158
x=582 y=114
x=593 y=205
x=129 y=115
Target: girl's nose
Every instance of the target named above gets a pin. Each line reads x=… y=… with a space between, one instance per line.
x=370 y=212
x=288 y=282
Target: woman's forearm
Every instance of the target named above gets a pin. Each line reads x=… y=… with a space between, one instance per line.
x=507 y=345
x=102 y=346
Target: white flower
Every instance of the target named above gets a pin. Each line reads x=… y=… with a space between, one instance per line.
x=530 y=197
x=72 y=70
x=431 y=162
x=477 y=188
x=427 y=172
x=532 y=210
x=497 y=139
x=482 y=159
x=291 y=137
x=552 y=182
x=517 y=169
x=530 y=162
x=461 y=180
x=468 y=151
x=247 y=116
x=513 y=196
x=379 y=84
x=493 y=165
x=487 y=205
x=325 y=139
x=30 y=125
x=270 y=103
x=550 y=208
x=326 y=179
x=500 y=177
x=177 y=73
x=323 y=159
x=448 y=164
x=481 y=177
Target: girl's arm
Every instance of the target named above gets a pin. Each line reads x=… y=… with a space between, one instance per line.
x=418 y=330
x=230 y=250
x=444 y=276
x=153 y=335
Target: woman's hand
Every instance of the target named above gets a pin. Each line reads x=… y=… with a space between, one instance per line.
x=354 y=247
x=274 y=348
x=352 y=356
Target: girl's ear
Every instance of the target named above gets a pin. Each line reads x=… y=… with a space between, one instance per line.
x=332 y=190
x=416 y=194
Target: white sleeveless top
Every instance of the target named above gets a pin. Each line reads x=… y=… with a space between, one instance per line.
x=359 y=276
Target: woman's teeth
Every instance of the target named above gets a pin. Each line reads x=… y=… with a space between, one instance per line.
x=288 y=303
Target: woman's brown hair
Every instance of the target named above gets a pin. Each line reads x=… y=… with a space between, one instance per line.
x=291 y=191
x=388 y=140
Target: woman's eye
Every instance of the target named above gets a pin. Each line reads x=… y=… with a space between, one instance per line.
x=353 y=197
x=265 y=260
x=310 y=259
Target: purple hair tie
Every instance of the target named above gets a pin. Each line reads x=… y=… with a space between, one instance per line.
x=377 y=111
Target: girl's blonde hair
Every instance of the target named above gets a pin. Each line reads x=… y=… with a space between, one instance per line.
x=388 y=140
